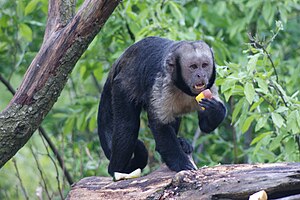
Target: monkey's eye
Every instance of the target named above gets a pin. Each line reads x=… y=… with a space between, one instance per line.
x=193 y=66
x=204 y=65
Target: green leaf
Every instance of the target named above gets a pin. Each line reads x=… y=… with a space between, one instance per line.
x=260 y=137
x=276 y=142
x=237 y=109
x=262 y=85
x=69 y=125
x=283 y=14
x=261 y=143
x=92 y=123
x=281 y=109
x=31 y=6
x=268 y=11
x=292 y=124
x=277 y=119
x=98 y=73
x=227 y=95
x=236 y=27
x=20 y=9
x=290 y=149
x=81 y=122
x=249 y=92
x=256 y=104
x=176 y=12
x=228 y=84
x=238 y=90
x=251 y=66
x=131 y=15
x=298 y=117
x=196 y=14
x=261 y=123
x=25 y=32
x=282 y=91
x=247 y=123
x=83 y=72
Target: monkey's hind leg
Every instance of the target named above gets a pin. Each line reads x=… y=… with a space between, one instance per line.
x=126 y=123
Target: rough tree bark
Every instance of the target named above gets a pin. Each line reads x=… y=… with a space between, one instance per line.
x=280 y=181
x=67 y=36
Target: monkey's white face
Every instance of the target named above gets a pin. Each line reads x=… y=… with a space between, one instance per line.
x=196 y=64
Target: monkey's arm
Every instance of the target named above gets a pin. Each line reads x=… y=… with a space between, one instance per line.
x=172 y=150
x=213 y=114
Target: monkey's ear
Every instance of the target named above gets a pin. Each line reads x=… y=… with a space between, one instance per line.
x=170 y=62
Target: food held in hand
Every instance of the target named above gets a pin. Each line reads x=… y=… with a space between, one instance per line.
x=204 y=94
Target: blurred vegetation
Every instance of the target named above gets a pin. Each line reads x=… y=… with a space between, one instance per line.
x=256 y=45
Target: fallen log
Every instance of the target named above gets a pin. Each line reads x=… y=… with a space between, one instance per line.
x=279 y=181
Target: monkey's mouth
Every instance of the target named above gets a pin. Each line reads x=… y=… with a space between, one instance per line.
x=199 y=86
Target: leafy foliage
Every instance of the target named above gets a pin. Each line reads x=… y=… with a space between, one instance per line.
x=256 y=45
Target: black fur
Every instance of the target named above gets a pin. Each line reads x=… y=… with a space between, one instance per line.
x=148 y=75
x=212 y=116
x=213 y=76
x=179 y=82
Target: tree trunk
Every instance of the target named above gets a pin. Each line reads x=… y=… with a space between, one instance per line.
x=67 y=36
x=237 y=182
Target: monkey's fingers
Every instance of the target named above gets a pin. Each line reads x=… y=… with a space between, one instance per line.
x=205 y=104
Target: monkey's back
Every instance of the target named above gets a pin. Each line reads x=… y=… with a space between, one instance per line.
x=137 y=68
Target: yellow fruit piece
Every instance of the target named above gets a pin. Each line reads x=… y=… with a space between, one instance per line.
x=200 y=97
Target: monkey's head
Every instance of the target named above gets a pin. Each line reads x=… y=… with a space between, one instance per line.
x=192 y=67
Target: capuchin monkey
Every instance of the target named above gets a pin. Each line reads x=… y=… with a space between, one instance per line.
x=162 y=77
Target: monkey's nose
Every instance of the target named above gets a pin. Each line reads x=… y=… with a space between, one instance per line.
x=200 y=75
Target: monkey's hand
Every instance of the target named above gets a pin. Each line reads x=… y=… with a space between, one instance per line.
x=212 y=115
x=187 y=149
x=182 y=162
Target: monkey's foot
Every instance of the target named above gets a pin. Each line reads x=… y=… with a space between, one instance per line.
x=123 y=176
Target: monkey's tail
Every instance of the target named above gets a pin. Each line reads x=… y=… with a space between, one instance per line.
x=105 y=119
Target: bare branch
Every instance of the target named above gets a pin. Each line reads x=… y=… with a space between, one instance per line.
x=7 y=85
x=19 y=178
x=40 y=171
x=56 y=169
x=57 y=155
